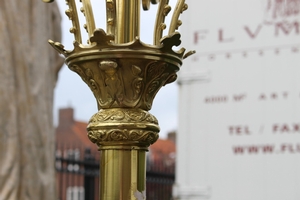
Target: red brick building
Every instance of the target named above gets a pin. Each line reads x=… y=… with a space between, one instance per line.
x=73 y=146
x=162 y=154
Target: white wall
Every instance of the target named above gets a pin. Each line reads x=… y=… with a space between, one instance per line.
x=240 y=92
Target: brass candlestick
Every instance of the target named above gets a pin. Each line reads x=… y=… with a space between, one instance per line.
x=124 y=75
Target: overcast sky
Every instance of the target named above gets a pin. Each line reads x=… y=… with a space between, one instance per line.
x=71 y=91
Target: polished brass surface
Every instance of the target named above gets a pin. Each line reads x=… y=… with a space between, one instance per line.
x=124 y=174
x=127 y=20
x=124 y=75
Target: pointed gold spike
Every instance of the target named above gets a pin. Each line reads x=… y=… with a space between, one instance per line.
x=72 y=14
x=88 y=13
x=162 y=12
x=175 y=22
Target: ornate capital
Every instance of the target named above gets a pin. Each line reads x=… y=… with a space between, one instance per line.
x=124 y=73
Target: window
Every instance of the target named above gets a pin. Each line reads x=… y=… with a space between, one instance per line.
x=75 y=193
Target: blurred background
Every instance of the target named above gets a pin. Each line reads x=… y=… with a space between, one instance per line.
x=230 y=127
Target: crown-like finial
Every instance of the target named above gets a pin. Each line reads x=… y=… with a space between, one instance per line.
x=123 y=20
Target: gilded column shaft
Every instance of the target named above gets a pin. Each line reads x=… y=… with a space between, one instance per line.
x=125 y=169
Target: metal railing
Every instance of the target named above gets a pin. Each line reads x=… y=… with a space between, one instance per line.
x=77 y=175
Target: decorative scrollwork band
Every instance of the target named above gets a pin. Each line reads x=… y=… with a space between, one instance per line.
x=101 y=137
x=121 y=125
x=120 y=115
